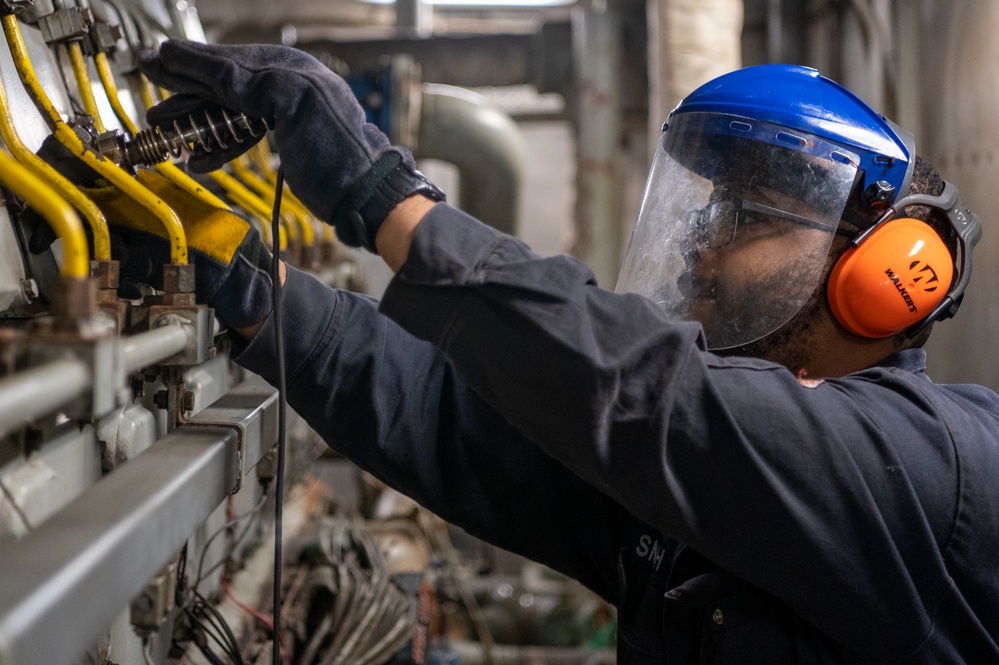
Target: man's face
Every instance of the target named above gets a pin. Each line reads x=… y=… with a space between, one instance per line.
x=758 y=258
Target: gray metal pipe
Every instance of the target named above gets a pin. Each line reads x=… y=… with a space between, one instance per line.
x=461 y=127
x=66 y=582
x=33 y=393
x=148 y=348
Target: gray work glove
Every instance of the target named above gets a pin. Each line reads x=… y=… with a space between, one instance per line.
x=332 y=158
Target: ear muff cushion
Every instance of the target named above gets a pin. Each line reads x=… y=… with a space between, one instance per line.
x=892 y=280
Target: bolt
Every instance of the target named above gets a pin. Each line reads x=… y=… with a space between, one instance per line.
x=161 y=399
x=187 y=401
x=29 y=290
x=880 y=195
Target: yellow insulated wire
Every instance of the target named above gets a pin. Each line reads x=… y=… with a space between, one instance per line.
x=56 y=211
x=66 y=189
x=169 y=171
x=65 y=135
x=249 y=201
x=261 y=156
x=259 y=188
x=146 y=90
x=266 y=192
x=83 y=84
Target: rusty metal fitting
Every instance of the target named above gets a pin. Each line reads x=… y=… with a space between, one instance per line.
x=114 y=307
x=8 y=7
x=75 y=303
x=105 y=273
x=66 y=24
x=102 y=38
x=178 y=278
x=178 y=300
x=111 y=144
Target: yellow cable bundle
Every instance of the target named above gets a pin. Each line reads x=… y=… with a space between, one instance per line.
x=56 y=211
x=65 y=189
x=65 y=135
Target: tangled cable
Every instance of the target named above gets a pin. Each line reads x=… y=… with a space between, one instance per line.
x=343 y=607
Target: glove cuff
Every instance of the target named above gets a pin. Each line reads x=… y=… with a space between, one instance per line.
x=389 y=181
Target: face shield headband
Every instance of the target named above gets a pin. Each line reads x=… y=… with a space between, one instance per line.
x=736 y=224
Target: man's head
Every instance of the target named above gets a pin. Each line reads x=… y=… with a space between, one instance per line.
x=764 y=179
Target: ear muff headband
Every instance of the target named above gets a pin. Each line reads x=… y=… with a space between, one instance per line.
x=899 y=274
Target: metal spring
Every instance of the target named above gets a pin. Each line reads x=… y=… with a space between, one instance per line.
x=155 y=144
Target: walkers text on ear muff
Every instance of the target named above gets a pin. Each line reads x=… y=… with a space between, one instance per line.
x=899 y=274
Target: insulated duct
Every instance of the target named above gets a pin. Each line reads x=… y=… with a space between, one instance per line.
x=461 y=127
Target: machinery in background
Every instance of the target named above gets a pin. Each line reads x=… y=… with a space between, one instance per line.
x=137 y=462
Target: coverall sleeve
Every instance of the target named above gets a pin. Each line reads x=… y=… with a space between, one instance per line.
x=837 y=499
x=394 y=406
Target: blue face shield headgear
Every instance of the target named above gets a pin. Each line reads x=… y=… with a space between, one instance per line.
x=747 y=189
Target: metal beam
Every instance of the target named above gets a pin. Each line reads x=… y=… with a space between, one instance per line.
x=65 y=582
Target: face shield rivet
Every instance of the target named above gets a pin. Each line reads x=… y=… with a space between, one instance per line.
x=880 y=195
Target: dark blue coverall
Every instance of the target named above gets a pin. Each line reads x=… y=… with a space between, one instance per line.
x=731 y=512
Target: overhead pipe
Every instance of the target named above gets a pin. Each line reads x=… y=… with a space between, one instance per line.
x=461 y=127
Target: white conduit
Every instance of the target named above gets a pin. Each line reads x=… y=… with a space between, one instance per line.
x=33 y=393
x=149 y=348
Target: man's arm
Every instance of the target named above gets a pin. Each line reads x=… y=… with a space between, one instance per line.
x=393 y=405
x=396 y=234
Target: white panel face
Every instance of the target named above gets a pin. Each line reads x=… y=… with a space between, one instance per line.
x=11 y=265
x=27 y=118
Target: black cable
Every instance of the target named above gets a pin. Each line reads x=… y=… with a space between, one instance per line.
x=220 y=632
x=282 y=408
x=198 y=628
x=214 y=619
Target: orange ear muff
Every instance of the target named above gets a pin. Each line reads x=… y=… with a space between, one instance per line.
x=891 y=280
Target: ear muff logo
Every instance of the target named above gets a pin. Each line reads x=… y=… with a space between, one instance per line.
x=925 y=277
x=891 y=280
x=902 y=291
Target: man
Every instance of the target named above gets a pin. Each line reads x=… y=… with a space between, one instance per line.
x=802 y=494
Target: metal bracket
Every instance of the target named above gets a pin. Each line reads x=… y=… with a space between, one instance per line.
x=250 y=410
x=238 y=427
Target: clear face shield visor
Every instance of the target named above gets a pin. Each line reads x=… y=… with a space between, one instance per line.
x=736 y=224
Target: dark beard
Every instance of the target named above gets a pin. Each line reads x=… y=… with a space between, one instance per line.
x=790 y=345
